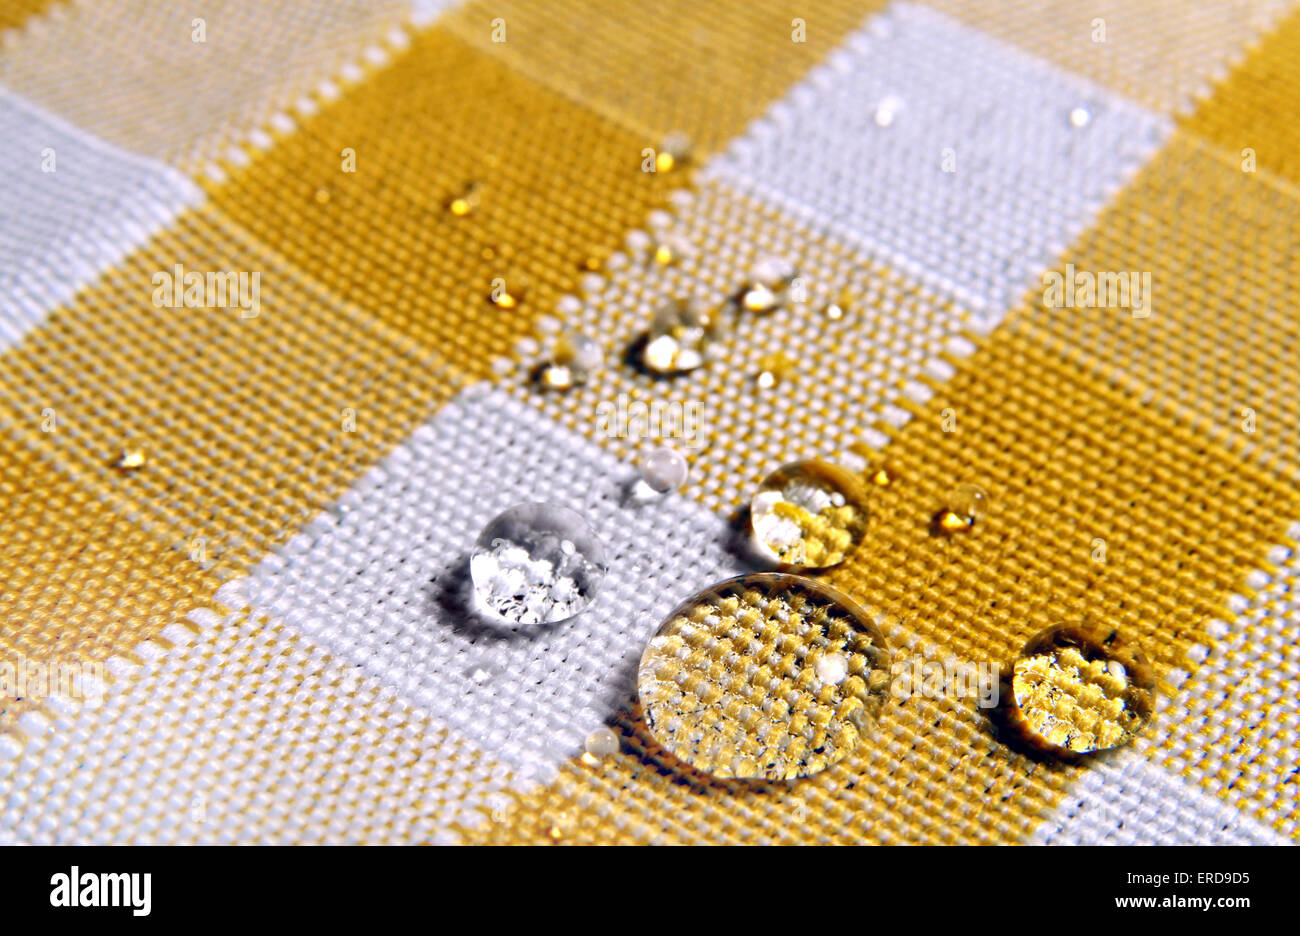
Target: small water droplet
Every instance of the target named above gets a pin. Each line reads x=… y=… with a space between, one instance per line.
x=1080 y=117
x=1080 y=689
x=462 y=204
x=808 y=515
x=838 y=309
x=679 y=338
x=602 y=742
x=553 y=376
x=670 y=251
x=887 y=110
x=969 y=500
x=574 y=359
x=759 y=298
x=322 y=196
x=674 y=152
x=664 y=469
x=730 y=683
x=536 y=564
x=130 y=460
x=772 y=370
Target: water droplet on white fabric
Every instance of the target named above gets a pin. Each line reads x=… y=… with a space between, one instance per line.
x=536 y=564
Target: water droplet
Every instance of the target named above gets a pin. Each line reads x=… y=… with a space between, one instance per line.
x=759 y=298
x=322 y=196
x=679 y=338
x=130 y=460
x=670 y=250
x=1080 y=117
x=602 y=742
x=462 y=204
x=585 y=353
x=836 y=310
x=674 y=152
x=970 y=501
x=574 y=359
x=887 y=110
x=664 y=469
x=808 y=515
x=772 y=369
x=1077 y=689
x=730 y=683
x=536 y=564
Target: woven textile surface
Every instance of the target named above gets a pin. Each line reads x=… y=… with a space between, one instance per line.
x=254 y=516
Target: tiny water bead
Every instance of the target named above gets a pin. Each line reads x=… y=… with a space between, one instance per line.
x=772 y=370
x=664 y=469
x=887 y=110
x=967 y=504
x=130 y=460
x=766 y=676
x=536 y=564
x=465 y=202
x=808 y=515
x=1077 y=690
x=573 y=361
x=1080 y=117
x=759 y=298
x=837 y=308
x=679 y=338
x=674 y=152
x=602 y=742
x=969 y=500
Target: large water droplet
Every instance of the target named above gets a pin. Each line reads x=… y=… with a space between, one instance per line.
x=536 y=564
x=809 y=515
x=764 y=675
x=1076 y=690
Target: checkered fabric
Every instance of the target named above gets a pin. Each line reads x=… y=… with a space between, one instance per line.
x=258 y=520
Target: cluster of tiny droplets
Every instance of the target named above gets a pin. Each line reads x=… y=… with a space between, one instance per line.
x=761 y=683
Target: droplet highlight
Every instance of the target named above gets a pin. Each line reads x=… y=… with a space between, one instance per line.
x=536 y=564
x=733 y=684
x=1077 y=690
x=808 y=515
